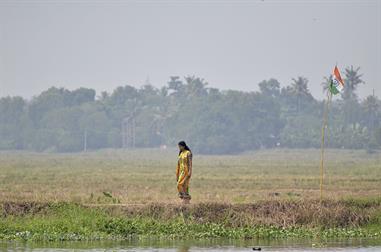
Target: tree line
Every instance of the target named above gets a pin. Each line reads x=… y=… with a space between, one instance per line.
x=211 y=120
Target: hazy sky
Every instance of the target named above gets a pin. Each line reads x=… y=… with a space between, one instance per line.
x=231 y=44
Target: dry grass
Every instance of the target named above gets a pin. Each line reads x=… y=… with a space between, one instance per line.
x=148 y=176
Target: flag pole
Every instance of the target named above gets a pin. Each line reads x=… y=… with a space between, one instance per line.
x=338 y=84
x=325 y=121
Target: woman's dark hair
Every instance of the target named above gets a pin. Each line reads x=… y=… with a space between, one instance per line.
x=182 y=143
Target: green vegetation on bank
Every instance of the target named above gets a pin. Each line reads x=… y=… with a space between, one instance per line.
x=69 y=221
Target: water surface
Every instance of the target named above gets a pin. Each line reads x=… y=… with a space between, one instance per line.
x=205 y=245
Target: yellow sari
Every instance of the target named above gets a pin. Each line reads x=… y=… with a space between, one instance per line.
x=182 y=171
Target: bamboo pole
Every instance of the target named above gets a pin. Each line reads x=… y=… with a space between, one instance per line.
x=325 y=122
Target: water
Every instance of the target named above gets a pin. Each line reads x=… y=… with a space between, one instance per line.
x=210 y=245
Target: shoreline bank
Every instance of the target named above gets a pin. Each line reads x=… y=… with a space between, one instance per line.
x=67 y=221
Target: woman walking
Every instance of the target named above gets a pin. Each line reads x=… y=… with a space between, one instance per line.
x=184 y=172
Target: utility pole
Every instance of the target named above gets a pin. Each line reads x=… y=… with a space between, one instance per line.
x=133 y=131
x=85 y=142
x=128 y=128
x=128 y=132
x=372 y=114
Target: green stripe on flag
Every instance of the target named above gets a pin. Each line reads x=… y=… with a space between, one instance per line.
x=332 y=88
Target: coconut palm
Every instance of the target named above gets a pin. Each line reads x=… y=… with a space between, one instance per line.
x=299 y=89
x=326 y=83
x=351 y=81
x=371 y=108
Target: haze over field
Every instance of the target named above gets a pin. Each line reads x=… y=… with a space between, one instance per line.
x=231 y=44
x=100 y=99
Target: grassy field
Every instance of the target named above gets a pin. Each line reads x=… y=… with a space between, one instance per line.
x=148 y=175
x=118 y=194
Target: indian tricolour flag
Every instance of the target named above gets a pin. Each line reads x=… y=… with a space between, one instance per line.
x=337 y=84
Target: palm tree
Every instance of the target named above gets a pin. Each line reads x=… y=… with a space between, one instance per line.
x=371 y=111
x=351 y=81
x=326 y=83
x=351 y=107
x=299 y=89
